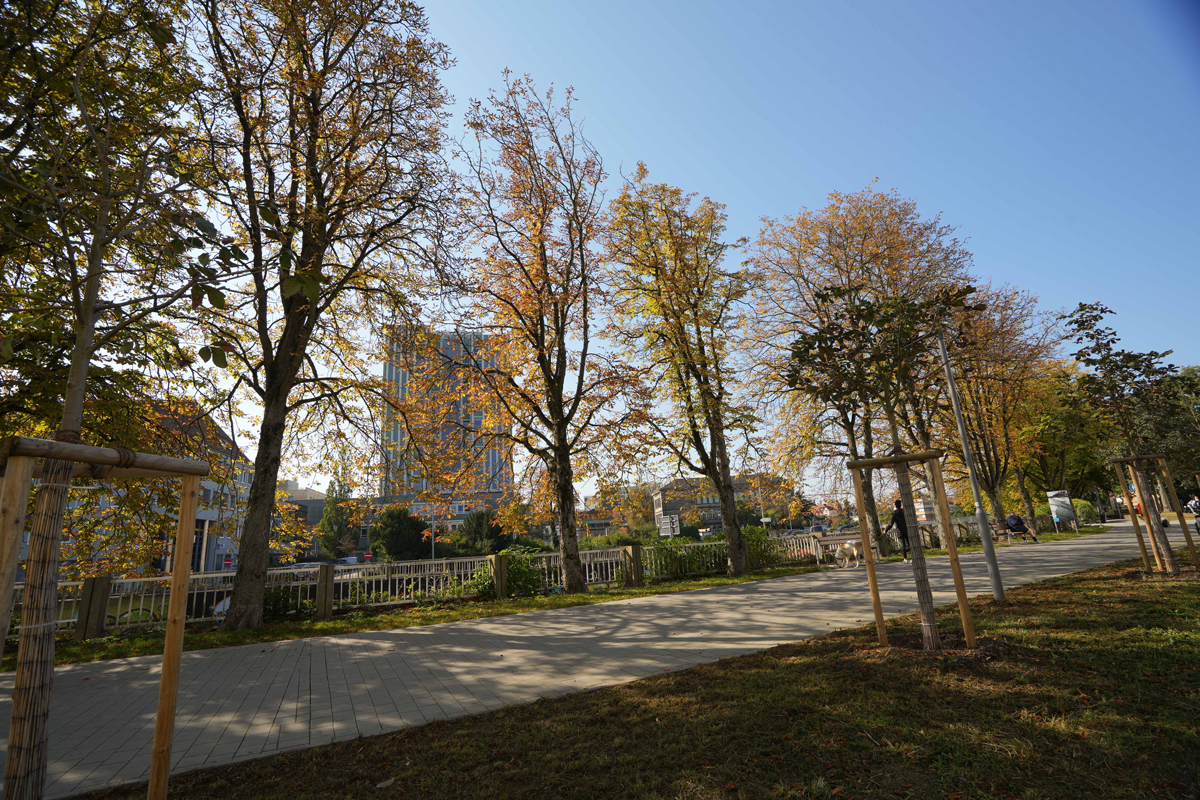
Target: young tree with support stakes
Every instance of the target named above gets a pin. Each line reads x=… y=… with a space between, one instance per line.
x=98 y=216
x=879 y=242
x=1132 y=390
x=324 y=126
x=681 y=311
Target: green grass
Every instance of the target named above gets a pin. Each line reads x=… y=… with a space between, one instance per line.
x=202 y=636
x=1083 y=686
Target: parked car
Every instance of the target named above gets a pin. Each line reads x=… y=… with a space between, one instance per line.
x=348 y=560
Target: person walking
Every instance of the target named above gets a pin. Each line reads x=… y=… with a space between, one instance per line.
x=901 y=527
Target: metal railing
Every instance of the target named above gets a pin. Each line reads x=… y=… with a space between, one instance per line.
x=141 y=602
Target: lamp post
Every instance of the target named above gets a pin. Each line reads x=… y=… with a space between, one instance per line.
x=985 y=531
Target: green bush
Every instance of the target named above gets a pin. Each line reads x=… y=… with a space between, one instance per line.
x=524 y=574
x=279 y=604
x=481 y=584
x=1085 y=512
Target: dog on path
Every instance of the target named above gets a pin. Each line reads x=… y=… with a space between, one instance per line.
x=847 y=551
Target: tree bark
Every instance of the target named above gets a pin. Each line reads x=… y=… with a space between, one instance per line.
x=573 y=578
x=882 y=541
x=997 y=501
x=1026 y=500
x=945 y=524
x=254 y=548
x=929 y=632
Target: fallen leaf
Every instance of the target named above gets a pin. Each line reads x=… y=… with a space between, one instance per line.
x=730 y=787
x=385 y=784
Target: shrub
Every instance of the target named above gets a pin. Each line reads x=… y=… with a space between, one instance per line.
x=279 y=603
x=524 y=574
x=481 y=584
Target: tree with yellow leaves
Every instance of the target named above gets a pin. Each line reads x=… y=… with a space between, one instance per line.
x=679 y=309
x=526 y=298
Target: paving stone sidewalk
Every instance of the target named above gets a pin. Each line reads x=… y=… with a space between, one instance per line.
x=244 y=702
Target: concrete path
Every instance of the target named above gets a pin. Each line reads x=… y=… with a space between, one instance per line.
x=244 y=702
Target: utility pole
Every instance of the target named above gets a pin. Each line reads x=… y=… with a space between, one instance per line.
x=985 y=530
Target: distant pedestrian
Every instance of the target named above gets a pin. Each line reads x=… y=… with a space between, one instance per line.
x=901 y=527
x=1017 y=525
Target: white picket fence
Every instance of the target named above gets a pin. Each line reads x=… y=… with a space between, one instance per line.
x=142 y=602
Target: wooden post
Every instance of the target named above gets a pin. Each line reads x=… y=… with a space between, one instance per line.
x=498 y=565
x=93 y=608
x=865 y=532
x=14 y=499
x=960 y=586
x=168 y=687
x=631 y=564
x=1178 y=507
x=325 y=591
x=1145 y=515
x=1132 y=516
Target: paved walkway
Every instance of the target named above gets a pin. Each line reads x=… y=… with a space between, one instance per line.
x=244 y=702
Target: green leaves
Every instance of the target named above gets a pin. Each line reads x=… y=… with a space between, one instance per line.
x=216 y=353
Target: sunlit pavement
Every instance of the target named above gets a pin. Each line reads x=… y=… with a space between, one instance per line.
x=245 y=702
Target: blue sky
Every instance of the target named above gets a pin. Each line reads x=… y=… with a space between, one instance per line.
x=1062 y=138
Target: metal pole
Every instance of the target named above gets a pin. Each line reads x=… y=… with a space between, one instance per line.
x=985 y=530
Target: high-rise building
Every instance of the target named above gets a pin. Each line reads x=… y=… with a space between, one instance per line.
x=483 y=467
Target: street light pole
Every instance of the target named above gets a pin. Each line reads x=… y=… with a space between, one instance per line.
x=985 y=530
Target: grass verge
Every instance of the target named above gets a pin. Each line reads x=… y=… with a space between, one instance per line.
x=202 y=636
x=1086 y=685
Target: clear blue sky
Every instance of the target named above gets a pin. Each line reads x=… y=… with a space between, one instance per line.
x=1063 y=138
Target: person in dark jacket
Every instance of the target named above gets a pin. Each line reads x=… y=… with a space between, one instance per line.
x=1017 y=525
x=901 y=527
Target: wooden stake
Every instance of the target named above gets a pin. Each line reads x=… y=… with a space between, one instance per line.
x=1187 y=532
x=14 y=500
x=865 y=532
x=1132 y=516
x=168 y=687
x=1145 y=515
x=960 y=587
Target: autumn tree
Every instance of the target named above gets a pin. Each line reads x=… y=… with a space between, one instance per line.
x=867 y=247
x=1135 y=391
x=526 y=297
x=324 y=125
x=680 y=309
x=1004 y=347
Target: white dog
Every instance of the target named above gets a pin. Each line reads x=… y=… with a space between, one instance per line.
x=851 y=549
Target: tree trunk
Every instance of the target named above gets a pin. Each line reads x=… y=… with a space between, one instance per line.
x=1026 y=500
x=945 y=524
x=929 y=633
x=573 y=578
x=254 y=549
x=25 y=772
x=737 y=552
x=882 y=542
x=997 y=501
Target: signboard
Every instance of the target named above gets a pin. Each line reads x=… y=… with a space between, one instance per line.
x=229 y=561
x=367 y=555
x=1060 y=506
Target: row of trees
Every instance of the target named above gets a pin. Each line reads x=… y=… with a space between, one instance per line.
x=250 y=203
